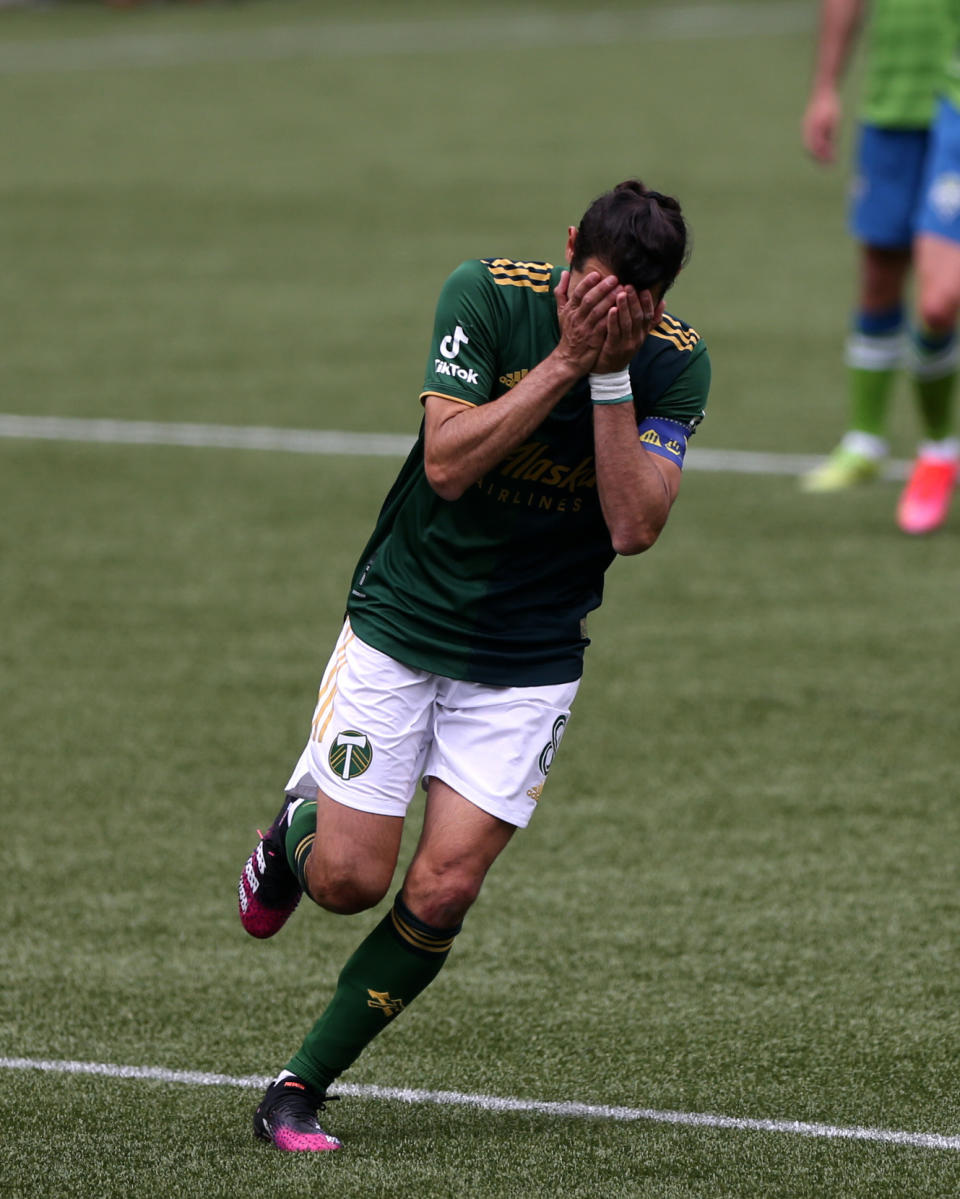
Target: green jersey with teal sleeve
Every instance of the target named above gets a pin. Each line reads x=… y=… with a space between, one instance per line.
x=495 y=587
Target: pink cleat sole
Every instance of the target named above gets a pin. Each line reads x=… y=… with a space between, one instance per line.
x=287 y=1118
x=304 y=1142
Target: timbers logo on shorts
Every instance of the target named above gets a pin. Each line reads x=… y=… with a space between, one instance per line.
x=350 y=754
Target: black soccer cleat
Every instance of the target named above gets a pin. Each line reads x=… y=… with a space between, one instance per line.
x=287 y=1118
x=268 y=890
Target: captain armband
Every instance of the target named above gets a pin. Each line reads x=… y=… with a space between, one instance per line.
x=613 y=388
x=664 y=437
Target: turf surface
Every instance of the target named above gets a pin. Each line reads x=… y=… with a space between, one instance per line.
x=739 y=895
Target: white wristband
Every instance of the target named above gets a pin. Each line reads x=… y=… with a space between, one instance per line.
x=611 y=389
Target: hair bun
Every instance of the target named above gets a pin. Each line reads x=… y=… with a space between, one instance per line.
x=636 y=233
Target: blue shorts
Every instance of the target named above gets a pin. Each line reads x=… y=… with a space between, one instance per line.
x=939 y=211
x=886 y=191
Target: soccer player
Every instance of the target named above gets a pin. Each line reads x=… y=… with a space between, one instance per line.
x=937 y=261
x=557 y=408
x=907 y=46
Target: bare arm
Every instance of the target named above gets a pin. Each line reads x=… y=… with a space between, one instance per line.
x=636 y=488
x=463 y=442
x=840 y=22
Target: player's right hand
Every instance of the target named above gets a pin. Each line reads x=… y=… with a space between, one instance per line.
x=821 y=121
x=628 y=322
x=582 y=314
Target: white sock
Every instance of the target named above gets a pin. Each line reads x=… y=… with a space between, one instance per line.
x=293 y=807
x=947 y=450
x=868 y=445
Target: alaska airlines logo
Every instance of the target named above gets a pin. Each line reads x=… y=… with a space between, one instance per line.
x=450 y=346
x=512 y=378
x=383 y=1002
x=530 y=463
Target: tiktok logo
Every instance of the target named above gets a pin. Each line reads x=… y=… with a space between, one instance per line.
x=450 y=346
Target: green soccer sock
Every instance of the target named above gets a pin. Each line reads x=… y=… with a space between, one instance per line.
x=870 y=392
x=873 y=354
x=934 y=360
x=299 y=838
x=935 y=402
x=386 y=973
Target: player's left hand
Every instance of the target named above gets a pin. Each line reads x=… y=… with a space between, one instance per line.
x=629 y=320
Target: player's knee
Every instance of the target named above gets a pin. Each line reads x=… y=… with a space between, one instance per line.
x=441 y=898
x=938 y=308
x=345 y=892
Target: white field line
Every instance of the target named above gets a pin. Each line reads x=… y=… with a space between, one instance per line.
x=503 y=31
x=494 y=1103
x=319 y=441
x=237 y=437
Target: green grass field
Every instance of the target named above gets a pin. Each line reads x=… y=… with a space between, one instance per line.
x=739 y=897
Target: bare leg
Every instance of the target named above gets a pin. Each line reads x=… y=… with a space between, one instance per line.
x=407 y=949
x=925 y=502
x=353 y=857
x=883 y=276
x=938 y=281
x=458 y=845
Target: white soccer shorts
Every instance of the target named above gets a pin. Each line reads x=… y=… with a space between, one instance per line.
x=379 y=727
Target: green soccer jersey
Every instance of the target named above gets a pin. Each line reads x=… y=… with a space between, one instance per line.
x=951 y=86
x=495 y=587
x=908 y=44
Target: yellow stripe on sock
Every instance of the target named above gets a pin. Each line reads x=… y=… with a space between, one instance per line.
x=303 y=848
x=419 y=939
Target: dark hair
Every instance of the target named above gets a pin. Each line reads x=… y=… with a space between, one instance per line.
x=638 y=233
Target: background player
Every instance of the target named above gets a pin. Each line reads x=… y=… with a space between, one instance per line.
x=937 y=261
x=907 y=45
x=557 y=406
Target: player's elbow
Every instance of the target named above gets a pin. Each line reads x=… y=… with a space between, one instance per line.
x=444 y=479
x=634 y=537
x=627 y=546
